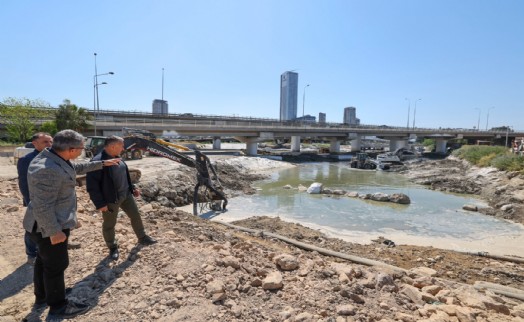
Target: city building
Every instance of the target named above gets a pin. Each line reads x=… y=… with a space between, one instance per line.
x=306 y=119
x=350 y=116
x=322 y=118
x=288 y=96
x=160 y=107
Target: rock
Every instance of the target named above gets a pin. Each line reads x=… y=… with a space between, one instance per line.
x=383 y=280
x=506 y=207
x=413 y=294
x=400 y=198
x=287 y=186
x=302 y=187
x=352 y=194
x=346 y=310
x=215 y=287
x=379 y=196
x=286 y=262
x=315 y=188
x=423 y=271
x=338 y=192
x=273 y=281
x=470 y=208
x=146 y=208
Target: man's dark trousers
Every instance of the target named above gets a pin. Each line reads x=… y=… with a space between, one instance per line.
x=129 y=206
x=50 y=265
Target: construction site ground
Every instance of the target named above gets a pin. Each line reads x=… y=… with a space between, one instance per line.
x=204 y=271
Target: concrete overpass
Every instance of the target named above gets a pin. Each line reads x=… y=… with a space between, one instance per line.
x=252 y=131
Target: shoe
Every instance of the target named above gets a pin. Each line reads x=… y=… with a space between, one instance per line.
x=68 y=311
x=73 y=245
x=43 y=302
x=114 y=254
x=31 y=260
x=147 y=240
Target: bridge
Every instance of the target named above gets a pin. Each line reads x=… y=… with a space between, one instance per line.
x=255 y=130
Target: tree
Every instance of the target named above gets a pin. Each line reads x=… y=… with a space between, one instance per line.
x=70 y=116
x=20 y=117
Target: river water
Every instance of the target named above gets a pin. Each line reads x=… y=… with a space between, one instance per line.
x=432 y=216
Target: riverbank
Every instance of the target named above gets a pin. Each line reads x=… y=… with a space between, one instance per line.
x=203 y=271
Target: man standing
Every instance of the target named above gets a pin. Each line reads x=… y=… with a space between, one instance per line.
x=50 y=216
x=111 y=189
x=40 y=140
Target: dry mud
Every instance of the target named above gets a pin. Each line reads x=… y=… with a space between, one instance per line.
x=203 y=271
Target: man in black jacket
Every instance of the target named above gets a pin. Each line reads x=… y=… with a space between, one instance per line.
x=110 y=189
x=40 y=141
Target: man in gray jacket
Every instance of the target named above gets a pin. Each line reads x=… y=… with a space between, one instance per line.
x=50 y=216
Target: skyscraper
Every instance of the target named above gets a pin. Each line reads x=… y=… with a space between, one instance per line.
x=160 y=107
x=350 y=116
x=288 y=96
x=321 y=118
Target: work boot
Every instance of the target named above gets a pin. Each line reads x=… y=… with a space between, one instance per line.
x=68 y=311
x=114 y=254
x=147 y=240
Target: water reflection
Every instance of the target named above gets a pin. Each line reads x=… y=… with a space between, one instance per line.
x=431 y=213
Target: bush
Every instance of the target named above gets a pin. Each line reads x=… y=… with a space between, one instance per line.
x=495 y=156
x=473 y=153
x=509 y=162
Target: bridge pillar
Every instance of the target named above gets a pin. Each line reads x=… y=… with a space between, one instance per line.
x=355 y=144
x=216 y=143
x=334 y=147
x=440 y=145
x=397 y=143
x=251 y=148
x=295 y=144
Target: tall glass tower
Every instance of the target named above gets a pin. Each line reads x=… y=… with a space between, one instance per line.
x=288 y=96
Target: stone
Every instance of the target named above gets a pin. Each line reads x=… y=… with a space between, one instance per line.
x=425 y=271
x=287 y=186
x=315 y=188
x=380 y=196
x=413 y=294
x=346 y=310
x=470 y=208
x=286 y=262
x=273 y=281
x=215 y=287
x=352 y=194
x=400 y=198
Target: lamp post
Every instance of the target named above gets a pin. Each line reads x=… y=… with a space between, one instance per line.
x=96 y=105
x=415 y=112
x=507 y=132
x=303 y=102
x=478 y=122
x=487 y=117
x=409 y=110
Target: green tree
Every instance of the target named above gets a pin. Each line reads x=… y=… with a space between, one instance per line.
x=49 y=127
x=70 y=116
x=21 y=117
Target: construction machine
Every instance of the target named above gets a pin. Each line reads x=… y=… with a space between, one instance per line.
x=208 y=192
x=362 y=161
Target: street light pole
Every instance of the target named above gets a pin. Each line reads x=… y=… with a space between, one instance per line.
x=415 y=112
x=95 y=81
x=96 y=104
x=409 y=110
x=478 y=122
x=487 y=117
x=303 y=102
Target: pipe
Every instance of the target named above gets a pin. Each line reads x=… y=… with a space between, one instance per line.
x=359 y=260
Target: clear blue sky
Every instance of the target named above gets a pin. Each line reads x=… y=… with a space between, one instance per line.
x=225 y=57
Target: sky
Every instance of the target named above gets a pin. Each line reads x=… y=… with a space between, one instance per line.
x=460 y=62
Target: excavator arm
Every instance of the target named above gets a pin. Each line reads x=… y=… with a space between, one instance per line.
x=158 y=149
x=150 y=144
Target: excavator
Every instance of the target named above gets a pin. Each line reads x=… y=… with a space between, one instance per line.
x=208 y=192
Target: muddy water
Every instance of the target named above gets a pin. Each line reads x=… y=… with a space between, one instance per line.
x=431 y=214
